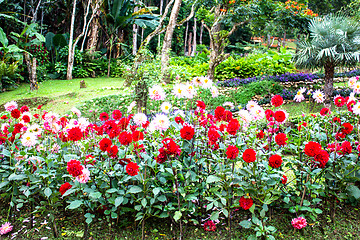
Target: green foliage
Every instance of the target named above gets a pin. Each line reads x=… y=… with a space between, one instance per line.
x=270 y=63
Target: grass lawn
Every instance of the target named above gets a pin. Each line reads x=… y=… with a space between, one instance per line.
x=61 y=95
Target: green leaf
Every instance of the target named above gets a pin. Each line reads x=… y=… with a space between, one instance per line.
x=212 y=179
x=245 y=224
x=14 y=177
x=135 y=189
x=118 y=201
x=95 y=195
x=3 y=184
x=3 y=39
x=144 y=202
x=75 y=204
x=214 y=216
x=156 y=191
x=177 y=215
x=6 y=153
x=47 y=192
x=256 y=221
x=354 y=191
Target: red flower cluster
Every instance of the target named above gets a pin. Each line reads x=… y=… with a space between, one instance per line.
x=104 y=144
x=75 y=134
x=132 y=169
x=284 y=179
x=219 y=112
x=125 y=138
x=116 y=114
x=260 y=135
x=170 y=148
x=325 y=111
x=26 y=118
x=277 y=101
x=314 y=149
x=232 y=152
x=15 y=113
x=249 y=155
x=209 y=226
x=137 y=136
x=246 y=203
x=340 y=101
x=187 y=132
x=112 y=151
x=24 y=109
x=179 y=120
x=346 y=148
x=104 y=116
x=74 y=167
x=64 y=187
x=350 y=105
x=233 y=126
x=275 y=161
x=281 y=139
x=213 y=135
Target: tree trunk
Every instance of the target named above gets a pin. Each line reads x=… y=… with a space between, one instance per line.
x=215 y=46
x=329 y=79
x=189 y=51
x=194 y=41
x=93 y=35
x=161 y=12
x=31 y=67
x=186 y=37
x=135 y=33
x=268 y=41
x=168 y=37
x=284 y=40
x=71 y=52
x=201 y=32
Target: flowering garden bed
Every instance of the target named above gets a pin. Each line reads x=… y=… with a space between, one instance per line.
x=187 y=164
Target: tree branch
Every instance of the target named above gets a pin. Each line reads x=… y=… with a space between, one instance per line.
x=188 y=17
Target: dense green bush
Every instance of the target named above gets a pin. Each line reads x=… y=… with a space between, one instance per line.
x=270 y=63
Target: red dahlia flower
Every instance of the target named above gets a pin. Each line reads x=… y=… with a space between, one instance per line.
x=246 y=203
x=209 y=226
x=187 y=133
x=24 y=109
x=116 y=114
x=112 y=151
x=275 y=161
x=312 y=148
x=179 y=120
x=132 y=169
x=269 y=115
x=75 y=134
x=125 y=138
x=201 y=104
x=219 y=112
x=322 y=157
x=104 y=116
x=339 y=101
x=346 y=148
x=213 y=135
x=325 y=111
x=64 y=187
x=26 y=118
x=260 y=135
x=137 y=136
x=104 y=144
x=249 y=155
x=232 y=152
x=233 y=126
x=74 y=167
x=284 y=179
x=347 y=128
x=277 y=101
x=281 y=139
x=280 y=116
x=15 y=113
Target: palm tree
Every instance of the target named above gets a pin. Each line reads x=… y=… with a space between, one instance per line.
x=334 y=41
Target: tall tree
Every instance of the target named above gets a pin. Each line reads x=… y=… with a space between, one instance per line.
x=168 y=36
x=334 y=42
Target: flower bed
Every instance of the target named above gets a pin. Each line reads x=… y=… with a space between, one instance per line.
x=193 y=165
x=284 y=78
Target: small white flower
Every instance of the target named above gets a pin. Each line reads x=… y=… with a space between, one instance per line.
x=9 y=106
x=319 y=96
x=165 y=107
x=140 y=119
